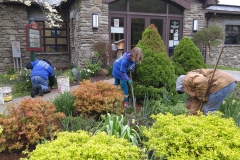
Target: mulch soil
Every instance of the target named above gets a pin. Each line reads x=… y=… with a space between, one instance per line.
x=17 y=156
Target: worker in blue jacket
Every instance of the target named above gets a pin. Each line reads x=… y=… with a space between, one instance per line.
x=42 y=71
x=122 y=66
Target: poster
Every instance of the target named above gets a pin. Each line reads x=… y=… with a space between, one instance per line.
x=34 y=38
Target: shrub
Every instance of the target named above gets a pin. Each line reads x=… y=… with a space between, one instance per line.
x=81 y=145
x=69 y=74
x=156 y=70
x=28 y=123
x=193 y=137
x=101 y=52
x=97 y=98
x=187 y=57
x=64 y=103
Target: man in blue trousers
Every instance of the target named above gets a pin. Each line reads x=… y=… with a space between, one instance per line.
x=42 y=71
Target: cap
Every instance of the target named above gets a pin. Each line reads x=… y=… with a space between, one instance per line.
x=179 y=86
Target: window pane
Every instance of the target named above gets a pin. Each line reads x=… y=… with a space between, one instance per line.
x=62 y=48
x=40 y=24
x=63 y=25
x=235 y=28
x=50 y=48
x=61 y=41
x=147 y=6
x=231 y=39
x=174 y=10
x=50 y=40
x=228 y=28
x=61 y=33
x=118 y=6
x=49 y=32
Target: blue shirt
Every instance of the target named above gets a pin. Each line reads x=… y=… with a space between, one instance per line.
x=42 y=68
x=122 y=66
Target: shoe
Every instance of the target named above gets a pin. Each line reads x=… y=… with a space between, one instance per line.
x=125 y=104
x=34 y=91
x=40 y=91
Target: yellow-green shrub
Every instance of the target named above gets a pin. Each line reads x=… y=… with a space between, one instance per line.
x=193 y=137
x=97 y=97
x=81 y=146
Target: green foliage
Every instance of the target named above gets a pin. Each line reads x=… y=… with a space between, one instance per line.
x=80 y=123
x=97 y=98
x=28 y=123
x=64 y=103
x=193 y=137
x=210 y=36
x=187 y=57
x=231 y=106
x=82 y=145
x=93 y=68
x=69 y=74
x=156 y=70
x=115 y=125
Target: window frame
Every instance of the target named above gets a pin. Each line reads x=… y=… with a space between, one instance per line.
x=227 y=33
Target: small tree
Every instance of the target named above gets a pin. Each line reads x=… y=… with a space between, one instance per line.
x=210 y=36
x=156 y=71
x=187 y=57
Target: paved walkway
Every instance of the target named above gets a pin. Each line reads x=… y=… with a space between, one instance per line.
x=51 y=95
x=46 y=97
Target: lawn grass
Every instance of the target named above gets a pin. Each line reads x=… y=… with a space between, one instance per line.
x=224 y=68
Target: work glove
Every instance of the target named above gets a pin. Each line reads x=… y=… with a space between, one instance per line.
x=130 y=82
x=204 y=99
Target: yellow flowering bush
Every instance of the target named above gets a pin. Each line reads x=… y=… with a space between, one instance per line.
x=1 y=130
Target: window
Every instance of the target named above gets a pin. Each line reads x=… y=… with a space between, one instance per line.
x=232 y=34
x=54 y=39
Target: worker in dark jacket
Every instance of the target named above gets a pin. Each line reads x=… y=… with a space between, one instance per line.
x=42 y=71
x=195 y=84
x=122 y=66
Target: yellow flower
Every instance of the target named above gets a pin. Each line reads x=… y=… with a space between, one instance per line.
x=1 y=129
x=224 y=102
x=133 y=121
x=233 y=101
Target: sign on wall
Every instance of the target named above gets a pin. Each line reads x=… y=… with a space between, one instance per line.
x=16 y=50
x=33 y=37
x=116 y=22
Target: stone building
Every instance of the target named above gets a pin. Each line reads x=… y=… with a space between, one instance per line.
x=113 y=20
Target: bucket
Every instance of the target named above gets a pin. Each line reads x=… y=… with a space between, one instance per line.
x=5 y=94
x=63 y=84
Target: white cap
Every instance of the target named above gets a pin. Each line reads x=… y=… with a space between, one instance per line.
x=179 y=86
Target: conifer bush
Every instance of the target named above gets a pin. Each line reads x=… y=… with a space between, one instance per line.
x=193 y=137
x=81 y=145
x=156 y=70
x=97 y=98
x=187 y=57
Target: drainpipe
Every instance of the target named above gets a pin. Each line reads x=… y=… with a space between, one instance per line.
x=68 y=38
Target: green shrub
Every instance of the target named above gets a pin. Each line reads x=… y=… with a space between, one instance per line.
x=29 y=122
x=81 y=146
x=193 y=137
x=64 y=103
x=69 y=74
x=187 y=57
x=98 y=98
x=156 y=70
x=80 y=123
x=116 y=125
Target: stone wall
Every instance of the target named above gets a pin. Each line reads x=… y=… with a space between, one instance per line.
x=231 y=53
x=12 y=28
x=196 y=12
x=82 y=36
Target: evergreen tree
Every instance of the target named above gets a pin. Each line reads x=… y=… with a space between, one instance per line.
x=156 y=72
x=187 y=57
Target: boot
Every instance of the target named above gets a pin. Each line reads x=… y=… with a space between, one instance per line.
x=40 y=91
x=34 y=91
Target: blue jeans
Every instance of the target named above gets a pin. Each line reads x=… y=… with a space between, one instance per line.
x=39 y=80
x=215 y=99
x=124 y=87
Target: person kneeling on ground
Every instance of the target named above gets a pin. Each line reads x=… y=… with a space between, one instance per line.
x=42 y=71
x=122 y=66
x=195 y=84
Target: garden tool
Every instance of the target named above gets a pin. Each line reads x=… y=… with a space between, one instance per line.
x=210 y=81
x=134 y=105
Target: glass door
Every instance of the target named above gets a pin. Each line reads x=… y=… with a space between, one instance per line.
x=159 y=23
x=117 y=36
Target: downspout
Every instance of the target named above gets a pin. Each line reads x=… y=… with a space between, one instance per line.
x=68 y=38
